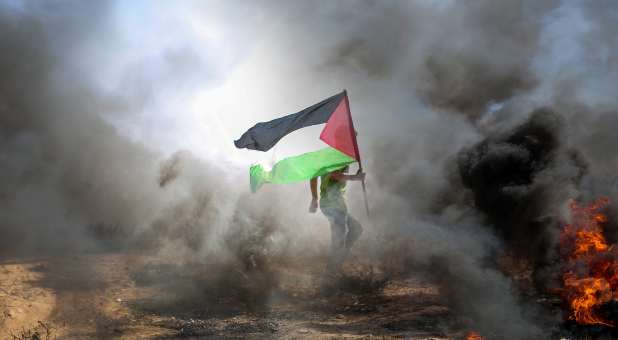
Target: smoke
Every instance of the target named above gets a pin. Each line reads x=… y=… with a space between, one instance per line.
x=520 y=162
x=477 y=122
x=63 y=167
x=521 y=179
x=72 y=182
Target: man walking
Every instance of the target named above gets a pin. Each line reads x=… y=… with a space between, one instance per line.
x=345 y=229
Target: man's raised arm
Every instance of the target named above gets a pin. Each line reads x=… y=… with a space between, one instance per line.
x=339 y=176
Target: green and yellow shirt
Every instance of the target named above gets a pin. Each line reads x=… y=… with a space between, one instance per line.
x=331 y=193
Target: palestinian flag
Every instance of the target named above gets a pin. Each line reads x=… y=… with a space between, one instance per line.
x=338 y=133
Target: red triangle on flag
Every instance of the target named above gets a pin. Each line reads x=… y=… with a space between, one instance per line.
x=339 y=132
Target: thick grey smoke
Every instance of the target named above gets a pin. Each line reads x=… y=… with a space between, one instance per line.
x=430 y=83
x=493 y=64
x=73 y=183
x=63 y=166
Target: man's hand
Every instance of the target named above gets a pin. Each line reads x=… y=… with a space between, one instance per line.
x=338 y=176
x=360 y=175
x=313 y=207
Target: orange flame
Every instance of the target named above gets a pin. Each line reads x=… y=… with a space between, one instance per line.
x=472 y=335
x=591 y=276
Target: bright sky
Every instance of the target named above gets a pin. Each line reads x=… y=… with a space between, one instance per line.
x=227 y=85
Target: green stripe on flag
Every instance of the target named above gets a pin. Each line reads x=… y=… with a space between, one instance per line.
x=300 y=168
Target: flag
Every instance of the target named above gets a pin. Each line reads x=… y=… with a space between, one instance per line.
x=338 y=133
x=299 y=168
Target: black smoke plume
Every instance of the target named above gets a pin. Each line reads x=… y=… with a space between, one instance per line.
x=519 y=180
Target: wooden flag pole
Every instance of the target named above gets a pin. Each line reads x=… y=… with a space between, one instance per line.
x=360 y=164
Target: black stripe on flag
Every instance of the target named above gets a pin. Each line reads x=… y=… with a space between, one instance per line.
x=263 y=136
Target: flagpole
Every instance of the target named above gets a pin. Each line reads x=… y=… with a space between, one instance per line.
x=360 y=164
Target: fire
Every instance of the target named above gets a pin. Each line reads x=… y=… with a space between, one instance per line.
x=472 y=335
x=591 y=274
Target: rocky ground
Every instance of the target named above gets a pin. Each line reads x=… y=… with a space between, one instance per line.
x=122 y=296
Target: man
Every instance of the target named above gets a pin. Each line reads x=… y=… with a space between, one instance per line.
x=345 y=229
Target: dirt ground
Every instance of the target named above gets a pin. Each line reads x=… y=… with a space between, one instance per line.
x=121 y=296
